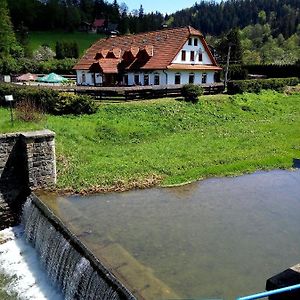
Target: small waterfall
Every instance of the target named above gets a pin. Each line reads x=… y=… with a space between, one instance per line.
x=66 y=267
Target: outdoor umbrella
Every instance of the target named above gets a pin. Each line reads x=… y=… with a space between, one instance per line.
x=27 y=77
x=52 y=78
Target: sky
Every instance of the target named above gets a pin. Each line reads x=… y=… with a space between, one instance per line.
x=163 y=6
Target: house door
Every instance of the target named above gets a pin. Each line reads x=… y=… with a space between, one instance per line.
x=110 y=79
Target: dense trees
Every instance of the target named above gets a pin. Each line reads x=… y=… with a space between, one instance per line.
x=259 y=31
x=210 y=17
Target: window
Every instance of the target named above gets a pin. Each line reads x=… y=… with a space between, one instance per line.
x=183 y=55
x=156 y=79
x=191 y=78
x=200 y=56
x=126 y=79
x=195 y=42
x=83 y=78
x=136 y=79
x=177 y=78
x=192 y=55
x=146 y=79
x=190 y=41
x=204 y=78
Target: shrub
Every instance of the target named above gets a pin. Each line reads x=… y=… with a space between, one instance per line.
x=191 y=92
x=48 y=100
x=68 y=103
x=256 y=85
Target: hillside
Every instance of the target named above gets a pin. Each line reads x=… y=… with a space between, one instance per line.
x=217 y=18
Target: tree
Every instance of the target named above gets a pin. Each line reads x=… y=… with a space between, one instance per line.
x=8 y=42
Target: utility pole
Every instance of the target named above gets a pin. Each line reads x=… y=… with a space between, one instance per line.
x=227 y=67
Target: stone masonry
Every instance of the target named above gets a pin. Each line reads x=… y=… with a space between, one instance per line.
x=27 y=161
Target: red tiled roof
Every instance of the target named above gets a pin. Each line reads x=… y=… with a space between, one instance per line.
x=148 y=51
x=106 y=65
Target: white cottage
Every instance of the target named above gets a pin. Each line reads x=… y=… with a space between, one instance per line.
x=168 y=56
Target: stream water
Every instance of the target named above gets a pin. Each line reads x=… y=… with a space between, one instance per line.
x=218 y=238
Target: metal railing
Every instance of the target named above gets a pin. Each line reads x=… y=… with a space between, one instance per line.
x=270 y=293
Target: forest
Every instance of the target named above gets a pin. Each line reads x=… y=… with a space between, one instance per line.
x=260 y=31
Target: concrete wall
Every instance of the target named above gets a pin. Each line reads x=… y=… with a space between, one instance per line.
x=27 y=161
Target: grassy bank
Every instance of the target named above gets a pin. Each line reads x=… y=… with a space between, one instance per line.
x=84 y=40
x=172 y=142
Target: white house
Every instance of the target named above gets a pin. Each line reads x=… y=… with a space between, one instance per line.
x=168 y=56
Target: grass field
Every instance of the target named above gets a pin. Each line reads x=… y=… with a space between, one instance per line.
x=84 y=40
x=172 y=142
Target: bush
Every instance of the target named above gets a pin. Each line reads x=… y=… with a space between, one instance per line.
x=68 y=103
x=256 y=85
x=48 y=100
x=191 y=92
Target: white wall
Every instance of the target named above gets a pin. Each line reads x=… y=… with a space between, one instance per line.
x=162 y=77
x=188 y=48
x=184 y=75
x=171 y=77
x=89 y=78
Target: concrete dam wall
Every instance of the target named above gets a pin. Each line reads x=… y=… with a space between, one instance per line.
x=27 y=161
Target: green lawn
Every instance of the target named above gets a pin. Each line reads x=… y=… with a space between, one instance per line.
x=84 y=40
x=172 y=142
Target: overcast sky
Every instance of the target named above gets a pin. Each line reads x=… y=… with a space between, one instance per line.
x=163 y=6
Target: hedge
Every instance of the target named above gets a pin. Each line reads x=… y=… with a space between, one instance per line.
x=274 y=71
x=25 y=65
x=50 y=101
x=256 y=85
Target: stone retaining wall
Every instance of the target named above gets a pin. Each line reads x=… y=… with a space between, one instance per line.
x=27 y=161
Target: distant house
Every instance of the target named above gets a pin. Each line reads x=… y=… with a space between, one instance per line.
x=168 y=56
x=99 y=25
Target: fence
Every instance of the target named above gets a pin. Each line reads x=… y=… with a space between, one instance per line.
x=136 y=92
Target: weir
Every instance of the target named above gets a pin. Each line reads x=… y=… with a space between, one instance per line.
x=68 y=263
x=27 y=163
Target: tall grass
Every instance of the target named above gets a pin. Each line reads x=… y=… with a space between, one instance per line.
x=173 y=141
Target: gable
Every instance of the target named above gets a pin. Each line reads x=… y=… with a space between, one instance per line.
x=195 y=46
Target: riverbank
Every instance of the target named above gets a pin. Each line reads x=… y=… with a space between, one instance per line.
x=168 y=142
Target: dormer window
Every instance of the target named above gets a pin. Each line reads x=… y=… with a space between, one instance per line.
x=190 y=42
x=183 y=55
x=195 y=42
x=192 y=55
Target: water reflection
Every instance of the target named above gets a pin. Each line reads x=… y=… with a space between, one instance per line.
x=218 y=238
